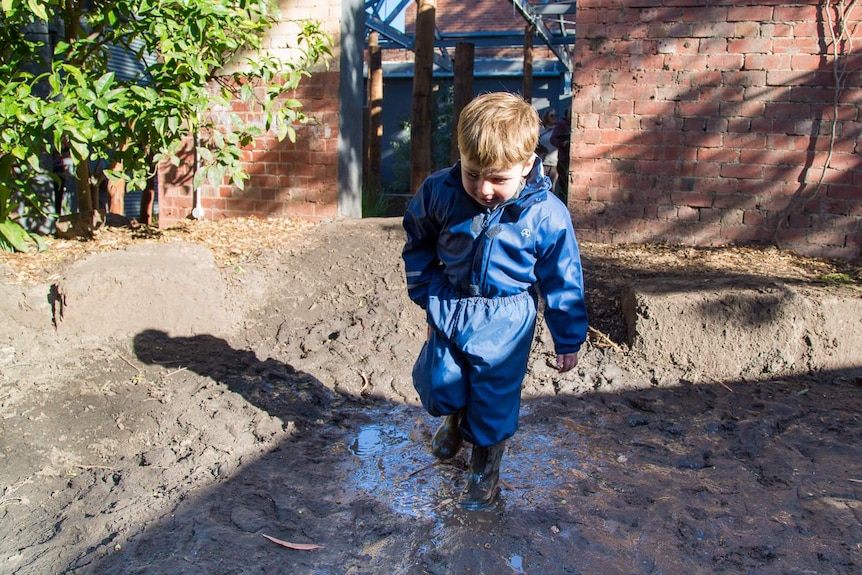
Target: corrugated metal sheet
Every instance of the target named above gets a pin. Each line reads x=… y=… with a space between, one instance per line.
x=127 y=64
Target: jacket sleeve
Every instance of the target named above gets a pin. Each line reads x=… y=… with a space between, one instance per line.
x=420 y=249
x=561 y=283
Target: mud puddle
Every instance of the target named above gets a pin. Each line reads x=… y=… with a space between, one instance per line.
x=392 y=461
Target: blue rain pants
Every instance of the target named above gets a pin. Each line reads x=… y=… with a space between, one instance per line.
x=475 y=359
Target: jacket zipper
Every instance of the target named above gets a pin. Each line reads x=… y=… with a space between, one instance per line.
x=486 y=251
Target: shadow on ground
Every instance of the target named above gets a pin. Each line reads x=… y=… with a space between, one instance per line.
x=137 y=450
x=761 y=477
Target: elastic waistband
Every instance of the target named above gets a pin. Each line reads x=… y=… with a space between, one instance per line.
x=445 y=290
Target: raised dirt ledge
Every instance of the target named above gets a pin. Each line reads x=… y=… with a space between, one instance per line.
x=744 y=329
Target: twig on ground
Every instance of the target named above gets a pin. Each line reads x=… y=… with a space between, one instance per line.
x=4 y=501
x=98 y=467
x=604 y=338
x=7 y=498
x=176 y=371
x=416 y=472
x=721 y=383
x=138 y=369
x=366 y=384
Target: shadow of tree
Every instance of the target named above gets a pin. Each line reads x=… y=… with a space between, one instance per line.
x=275 y=387
x=744 y=153
x=744 y=476
x=739 y=477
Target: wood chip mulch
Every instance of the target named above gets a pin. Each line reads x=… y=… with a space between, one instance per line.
x=231 y=241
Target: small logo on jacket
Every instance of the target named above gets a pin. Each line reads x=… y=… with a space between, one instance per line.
x=526 y=233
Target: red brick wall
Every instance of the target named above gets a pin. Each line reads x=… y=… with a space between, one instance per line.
x=175 y=188
x=286 y=179
x=710 y=123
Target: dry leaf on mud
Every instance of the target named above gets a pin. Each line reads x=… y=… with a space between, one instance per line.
x=297 y=546
x=575 y=427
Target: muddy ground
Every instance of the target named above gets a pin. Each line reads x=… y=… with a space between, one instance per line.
x=236 y=398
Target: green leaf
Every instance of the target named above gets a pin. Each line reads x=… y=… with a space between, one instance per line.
x=283 y=128
x=61 y=48
x=102 y=115
x=103 y=83
x=246 y=93
x=206 y=155
x=81 y=150
x=38 y=9
x=218 y=139
x=15 y=236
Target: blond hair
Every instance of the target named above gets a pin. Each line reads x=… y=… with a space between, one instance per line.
x=498 y=129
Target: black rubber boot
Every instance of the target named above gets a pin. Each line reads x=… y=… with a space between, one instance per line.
x=481 y=488
x=447 y=440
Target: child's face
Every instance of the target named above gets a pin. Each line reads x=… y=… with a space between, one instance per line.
x=493 y=186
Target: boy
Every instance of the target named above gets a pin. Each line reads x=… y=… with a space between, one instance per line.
x=482 y=236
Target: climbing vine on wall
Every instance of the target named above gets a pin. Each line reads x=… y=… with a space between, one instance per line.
x=839 y=35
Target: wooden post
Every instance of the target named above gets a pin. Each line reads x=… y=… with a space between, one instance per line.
x=462 y=88
x=423 y=62
x=528 y=63
x=117 y=192
x=374 y=128
x=88 y=198
x=148 y=196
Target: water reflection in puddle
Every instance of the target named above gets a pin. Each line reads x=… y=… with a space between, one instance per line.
x=541 y=469
x=374 y=439
x=393 y=462
x=516 y=562
x=397 y=469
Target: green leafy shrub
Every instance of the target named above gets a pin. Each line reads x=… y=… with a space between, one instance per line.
x=196 y=58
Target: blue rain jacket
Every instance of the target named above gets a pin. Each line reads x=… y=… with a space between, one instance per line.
x=525 y=242
x=474 y=271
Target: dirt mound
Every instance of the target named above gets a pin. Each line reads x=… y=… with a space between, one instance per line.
x=191 y=401
x=118 y=294
x=744 y=327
